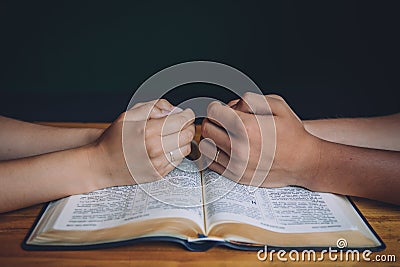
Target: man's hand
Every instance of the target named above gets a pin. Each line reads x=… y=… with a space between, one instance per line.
x=261 y=141
x=245 y=129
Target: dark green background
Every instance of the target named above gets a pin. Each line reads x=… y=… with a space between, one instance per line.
x=82 y=60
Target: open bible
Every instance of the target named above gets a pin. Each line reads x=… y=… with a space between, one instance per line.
x=200 y=210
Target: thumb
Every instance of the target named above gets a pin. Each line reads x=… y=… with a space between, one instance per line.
x=279 y=106
x=143 y=112
x=253 y=103
x=151 y=110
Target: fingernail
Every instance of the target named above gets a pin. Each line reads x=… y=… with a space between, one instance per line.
x=165 y=112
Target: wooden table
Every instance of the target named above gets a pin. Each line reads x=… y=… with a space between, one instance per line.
x=384 y=218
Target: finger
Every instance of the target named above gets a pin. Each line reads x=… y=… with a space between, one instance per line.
x=208 y=150
x=157 y=145
x=264 y=105
x=280 y=107
x=225 y=117
x=180 y=153
x=164 y=104
x=215 y=166
x=170 y=165
x=253 y=103
x=233 y=102
x=171 y=157
x=177 y=121
x=166 y=112
x=143 y=111
x=173 y=123
x=219 y=136
x=242 y=178
x=144 y=103
x=167 y=167
x=149 y=110
x=160 y=103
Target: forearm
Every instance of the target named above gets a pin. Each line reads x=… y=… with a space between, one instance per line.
x=376 y=132
x=21 y=139
x=356 y=171
x=28 y=181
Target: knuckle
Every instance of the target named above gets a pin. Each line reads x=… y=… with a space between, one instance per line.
x=138 y=104
x=277 y=97
x=157 y=162
x=186 y=150
x=247 y=96
x=162 y=101
x=205 y=129
x=181 y=120
x=153 y=151
x=190 y=113
x=236 y=167
x=211 y=109
x=187 y=136
x=149 y=131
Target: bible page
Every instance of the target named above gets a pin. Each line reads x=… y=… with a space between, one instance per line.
x=286 y=209
x=178 y=194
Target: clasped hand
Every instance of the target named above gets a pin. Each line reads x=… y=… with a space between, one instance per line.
x=144 y=143
x=258 y=139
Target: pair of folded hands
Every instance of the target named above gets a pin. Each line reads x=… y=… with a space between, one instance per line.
x=256 y=140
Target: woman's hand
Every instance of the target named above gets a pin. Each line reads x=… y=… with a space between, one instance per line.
x=143 y=144
x=138 y=143
x=261 y=141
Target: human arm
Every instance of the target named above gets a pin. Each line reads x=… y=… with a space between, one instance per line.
x=20 y=139
x=375 y=132
x=100 y=164
x=300 y=158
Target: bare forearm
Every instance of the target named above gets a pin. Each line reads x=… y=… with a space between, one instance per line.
x=357 y=171
x=28 y=181
x=21 y=139
x=376 y=132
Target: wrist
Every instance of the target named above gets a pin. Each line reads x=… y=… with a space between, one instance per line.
x=91 y=134
x=96 y=166
x=77 y=173
x=310 y=162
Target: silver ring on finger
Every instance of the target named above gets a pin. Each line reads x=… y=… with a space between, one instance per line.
x=171 y=156
x=216 y=155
